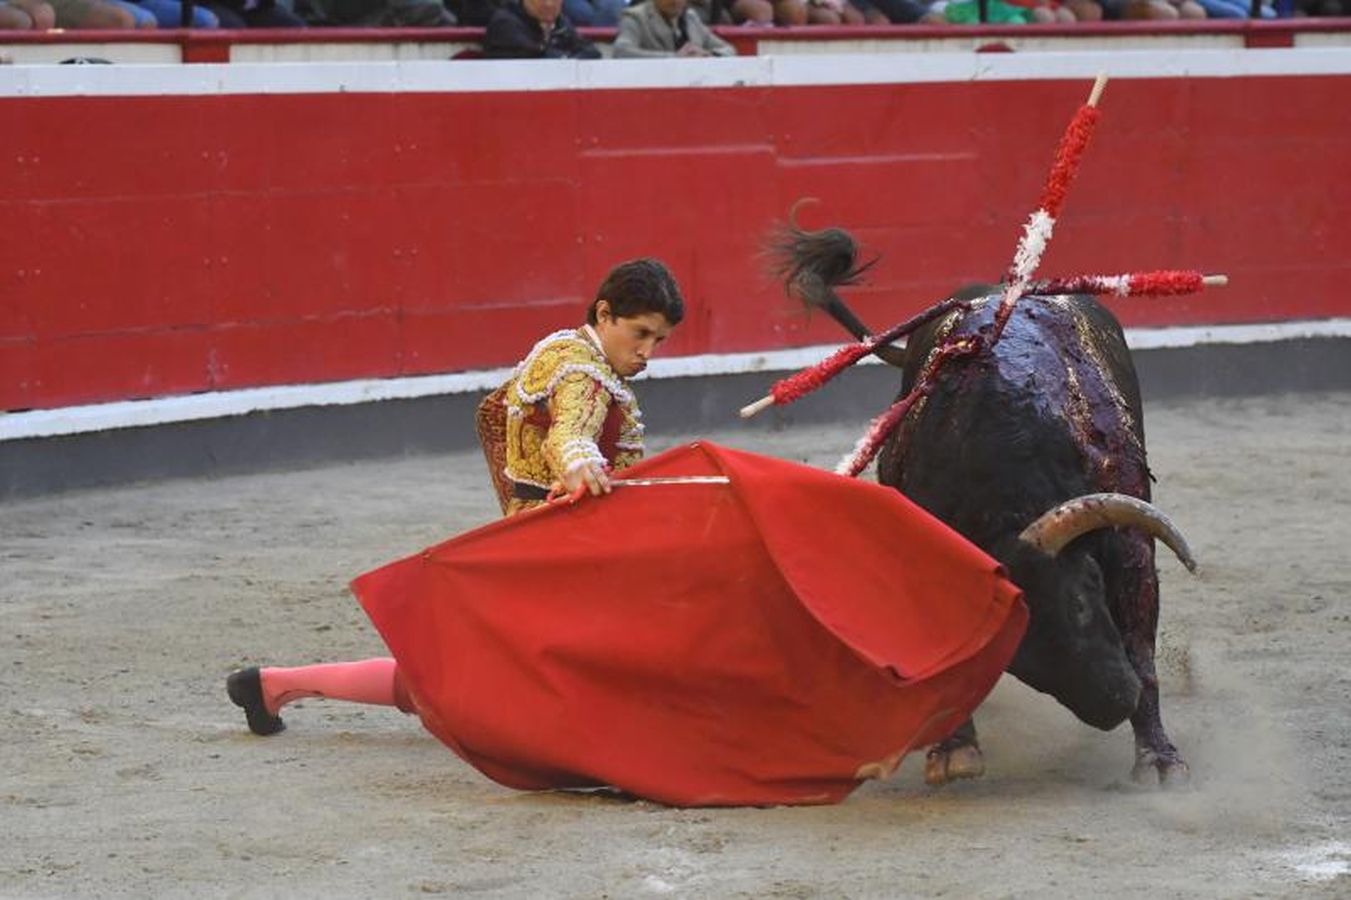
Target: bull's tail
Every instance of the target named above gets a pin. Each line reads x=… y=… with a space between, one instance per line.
x=812 y=264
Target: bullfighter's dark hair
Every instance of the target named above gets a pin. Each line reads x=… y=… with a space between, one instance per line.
x=640 y=286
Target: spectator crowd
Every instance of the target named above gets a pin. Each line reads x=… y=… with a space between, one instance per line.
x=645 y=28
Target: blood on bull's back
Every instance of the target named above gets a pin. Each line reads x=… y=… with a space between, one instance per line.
x=1049 y=412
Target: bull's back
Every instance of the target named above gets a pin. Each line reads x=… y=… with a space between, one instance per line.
x=1052 y=411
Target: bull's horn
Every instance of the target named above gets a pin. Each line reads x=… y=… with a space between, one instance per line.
x=1069 y=520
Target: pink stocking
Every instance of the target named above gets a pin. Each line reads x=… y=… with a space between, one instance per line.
x=374 y=681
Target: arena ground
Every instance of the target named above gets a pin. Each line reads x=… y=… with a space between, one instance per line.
x=126 y=772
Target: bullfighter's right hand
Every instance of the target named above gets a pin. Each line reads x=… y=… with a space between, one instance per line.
x=593 y=476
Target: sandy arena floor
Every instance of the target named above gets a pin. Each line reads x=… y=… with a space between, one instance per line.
x=125 y=771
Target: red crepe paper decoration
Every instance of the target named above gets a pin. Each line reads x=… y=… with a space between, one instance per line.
x=1067 y=157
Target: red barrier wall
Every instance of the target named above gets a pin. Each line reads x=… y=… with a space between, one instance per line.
x=173 y=244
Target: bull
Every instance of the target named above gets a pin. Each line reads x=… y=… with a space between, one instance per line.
x=1034 y=450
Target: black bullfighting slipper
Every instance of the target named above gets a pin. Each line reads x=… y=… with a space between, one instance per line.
x=245 y=688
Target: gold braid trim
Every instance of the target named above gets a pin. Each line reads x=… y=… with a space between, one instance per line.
x=570 y=375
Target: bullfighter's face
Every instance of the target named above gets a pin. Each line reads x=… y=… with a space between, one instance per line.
x=629 y=341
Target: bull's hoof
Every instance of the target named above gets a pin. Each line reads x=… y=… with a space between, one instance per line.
x=945 y=764
x=1169 y=771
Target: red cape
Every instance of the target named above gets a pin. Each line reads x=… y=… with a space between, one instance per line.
x=774 y=639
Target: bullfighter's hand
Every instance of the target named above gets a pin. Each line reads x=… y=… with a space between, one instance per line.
x=592 y=475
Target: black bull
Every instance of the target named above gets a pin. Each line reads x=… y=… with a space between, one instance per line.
x=1010 y=447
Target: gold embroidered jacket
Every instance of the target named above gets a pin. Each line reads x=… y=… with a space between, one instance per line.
x=565 y=407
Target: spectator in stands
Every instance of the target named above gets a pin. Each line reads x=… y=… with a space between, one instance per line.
x=535 y=29
x=997 y=12
x=868 y=13
x=475 y=13
x=897 y=12
x=657 y=28
x=1234 y=9
x=751 y=12
x=376 y=13
x=594 y=13
x=100 y=14
x=833 y=12
x=141 y=17
x=581 y=13
x=1084 y=10
x=1044 y=12
x=254 y=14
x=967 y=12
x=169 y=13
x=1023 y=12
x=1152 y=9
x=26 y=15
x=791 y=12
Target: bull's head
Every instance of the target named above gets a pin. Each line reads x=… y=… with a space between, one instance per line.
x=1072 y=649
